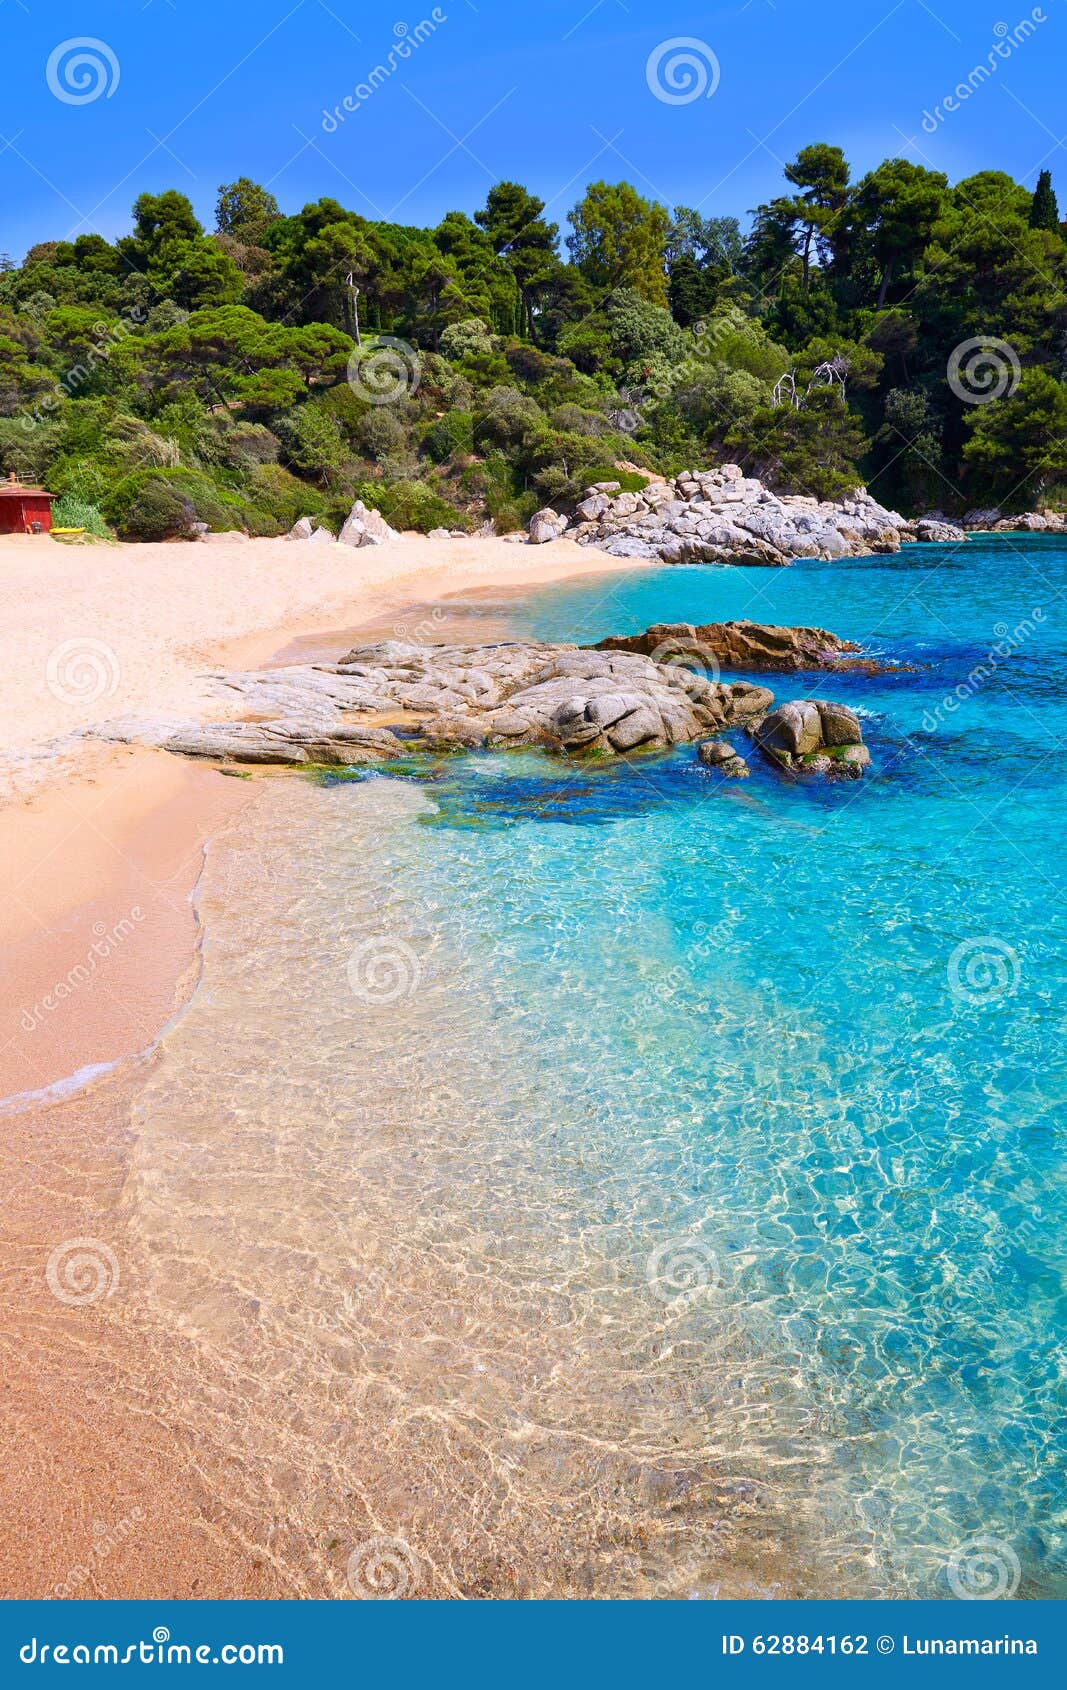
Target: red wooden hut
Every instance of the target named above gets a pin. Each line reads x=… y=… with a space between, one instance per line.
x=24 y=510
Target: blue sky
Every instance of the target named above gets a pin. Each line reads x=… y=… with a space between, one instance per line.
x=554 y=94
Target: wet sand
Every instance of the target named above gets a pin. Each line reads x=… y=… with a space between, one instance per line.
x=118 y=1473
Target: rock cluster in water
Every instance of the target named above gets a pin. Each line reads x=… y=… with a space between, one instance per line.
x=389 y=700
x=724 y=516
x=816 y=735
x=386 y=702
x=756 y=646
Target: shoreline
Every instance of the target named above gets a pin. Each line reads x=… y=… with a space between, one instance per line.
x=95 y=1502
x=105 y=847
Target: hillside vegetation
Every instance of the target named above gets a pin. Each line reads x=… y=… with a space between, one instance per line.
x=896 y=330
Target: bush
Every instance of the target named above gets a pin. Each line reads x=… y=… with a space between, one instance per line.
x=572 y=419
x=471 y=338
x=450 y=436
x=506 y=417
x=630 y=481
x=379 y=433
x=154 y=510
x=311 y=439
x=509 y=515
x=164 y=504
x=248 y=444
x=412 y=504
x=277 y=499
x=71 y=512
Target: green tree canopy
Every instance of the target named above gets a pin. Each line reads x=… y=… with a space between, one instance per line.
x=618 y=240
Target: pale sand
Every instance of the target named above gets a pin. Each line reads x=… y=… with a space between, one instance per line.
x=94 y=632
x=98 y=923
x=100 y=847
x=105 y=1468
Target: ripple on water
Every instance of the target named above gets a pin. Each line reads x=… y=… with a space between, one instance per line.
x=672 y=1200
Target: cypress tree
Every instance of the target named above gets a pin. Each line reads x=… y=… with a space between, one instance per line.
x=1044 y=212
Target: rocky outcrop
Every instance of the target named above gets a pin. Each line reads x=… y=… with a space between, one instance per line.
x=305 y=529
x=365 y=527
x=719 y=754
x=1028 y=522
x=388 y=701
x=547 y=526
x=815 y=735
x=936 y=531
x=756 y=647
x=724 y=516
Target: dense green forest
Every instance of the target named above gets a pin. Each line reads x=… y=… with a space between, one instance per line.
x=282 y=366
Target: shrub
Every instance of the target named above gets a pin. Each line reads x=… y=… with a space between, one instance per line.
x=311 y=439
x=450 y=436
x=277 y=499
x=572 y=419
x=248 y=444
x=164 y=504
x=72 y=512
x=472 y=338
x=630 y=481
x=506 y=417
x=379 y=433
x=155 y=510
x=412 y=504
x=510 y=514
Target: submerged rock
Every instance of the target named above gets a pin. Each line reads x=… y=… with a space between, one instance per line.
x=719 y=754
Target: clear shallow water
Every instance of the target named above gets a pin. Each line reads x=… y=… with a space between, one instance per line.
x=616 y=1181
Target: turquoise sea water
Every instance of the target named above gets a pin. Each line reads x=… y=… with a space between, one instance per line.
x=739 y=1109
x=845 y=1000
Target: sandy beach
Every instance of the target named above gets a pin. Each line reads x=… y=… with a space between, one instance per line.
x=102 y=849
x=101 y=846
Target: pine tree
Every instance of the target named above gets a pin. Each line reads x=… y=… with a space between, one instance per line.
x=1044 y=212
